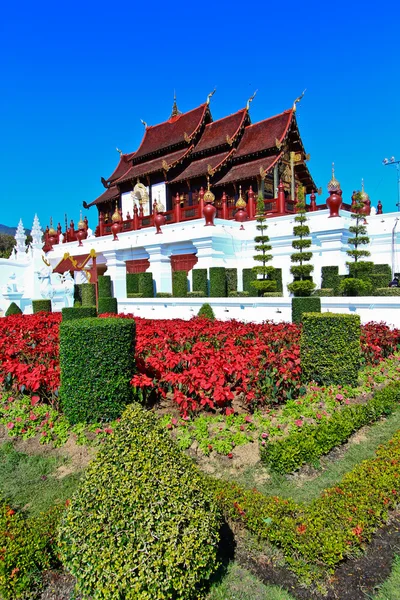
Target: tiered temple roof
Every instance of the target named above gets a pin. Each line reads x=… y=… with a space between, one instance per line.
x=191 y=146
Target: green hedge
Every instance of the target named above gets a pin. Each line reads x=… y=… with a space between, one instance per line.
x=146 y=286
x=217 y=282
x=105 y=286
x=330 y=348
x=238 y=294
x=132 y=284
x=206 y=311
x=248 y=277
x=78 y=312
x=78 y=294
x=142 y=524
x=272 y=294
x=310 y=442
x=231 y=280
x=135 y=295
x=26 y=549
x=163 y=295
x=302 y=305
x=199 y=281
x=323 y=293
x=179 y=284
x=41 y=306
x=335 y=526
x=387 y=292
x=195 y=295
x=88 y=294
x=96 y=364
x=107 y=305
x=363 y=269
x=276 y=275
x=379 y=280
x=330 y=277
x=13 y=309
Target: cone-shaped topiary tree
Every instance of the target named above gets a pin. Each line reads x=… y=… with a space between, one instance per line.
x=303 y=284
x=262 y=246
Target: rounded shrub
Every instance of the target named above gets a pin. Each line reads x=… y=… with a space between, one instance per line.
x=142 y=525
x=41 y=306
x=13 y=309
x=107 y=305
x=206 y=311
x=355 y=287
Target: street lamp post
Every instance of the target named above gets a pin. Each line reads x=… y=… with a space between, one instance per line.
x=393 y=162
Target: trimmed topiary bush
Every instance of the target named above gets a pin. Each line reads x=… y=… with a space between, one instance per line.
x=195 y=295
x=105 y=286
x=231 y=280
x=78 y=312
x=355 y=287
x=13 y=309
x=308 y=304
x=324 y=292
x=330 y=277
x=136 y=295
x=88 y=294
x=77 y=294
x=142 y=525
x=276 y=275
x=107 y=305
x=238 y=294
x=132 y=284
x=272 y=294
x=249 y=276
x=96 y=363
x=146 y=286
x=217 y=282
x=41 y=306
x=387 y=292
x=330 y=348
x=199 y=281
x=207 y=312
x=179 y=284
x=163 y=295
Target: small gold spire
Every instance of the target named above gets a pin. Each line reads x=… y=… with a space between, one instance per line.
x=364 y=194
x=175 y=110
x=209 y=196
x=240 y=204
x=81 y=222
x=116 y=216
x=52 y=231
x=333 y=185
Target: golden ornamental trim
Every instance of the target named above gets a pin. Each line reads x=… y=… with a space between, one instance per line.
x=186 y=137
x=165 y=165
x=229 y=140
x=263 y=173
x=210 y=170
x=278 y=143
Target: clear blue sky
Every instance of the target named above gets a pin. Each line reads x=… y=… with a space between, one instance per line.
x=77 y=77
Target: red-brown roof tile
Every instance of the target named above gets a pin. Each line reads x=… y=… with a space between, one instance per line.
x=122 y=167
x=199 y=167
x=248 y=170
x=262 y=135
x=110 y=194
x=171 y=132
x=215 y=133
x=157 y=164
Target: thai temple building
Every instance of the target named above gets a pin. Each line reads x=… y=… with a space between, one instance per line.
x=188 y=198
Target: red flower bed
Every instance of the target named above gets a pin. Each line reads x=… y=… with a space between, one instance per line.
x=197 y=363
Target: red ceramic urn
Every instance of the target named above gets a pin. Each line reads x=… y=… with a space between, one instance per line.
x=209 y=212
x=115 y=228
x=334 y=202
x=159 y=220
x=81 y=235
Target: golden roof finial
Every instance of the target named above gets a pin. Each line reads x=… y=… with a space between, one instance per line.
x=250 y=100
x=116 y=216
x=52 y=231
x=298 y=99
x=364 y=194
x=333 y=185
x=209 y=196
x=81 y=222
x=175 y=110
x=240 y=204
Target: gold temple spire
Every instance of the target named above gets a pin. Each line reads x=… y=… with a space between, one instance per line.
x=333 y=185
x=175 y=110
x=240 y=204
x=209 y=196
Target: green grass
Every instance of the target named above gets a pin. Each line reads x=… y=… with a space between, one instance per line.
x=240 y=584
x=390 y=590
x=306 y=489
x=28 y=481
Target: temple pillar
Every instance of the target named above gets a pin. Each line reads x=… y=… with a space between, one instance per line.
x=160 y=267
x=116 y=269
x=281 y=199
x=276 y=180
